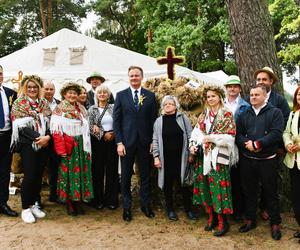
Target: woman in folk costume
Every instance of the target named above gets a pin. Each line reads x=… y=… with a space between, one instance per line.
x=70 y=129
x=30 y=119
x=214 y=137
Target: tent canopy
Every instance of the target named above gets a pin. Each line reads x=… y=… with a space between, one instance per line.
x=50 y=58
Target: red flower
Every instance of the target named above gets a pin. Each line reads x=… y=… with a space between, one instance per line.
x=226 y=195
x=210 y=192
x=219 y=197
x=210 y=180
x=231 y=132
x=88 y=157
x=85 y=168
x=223 y=183
x=227 y=114
x=218 y=168
x=76 y=169
x=227 y=211
x=195 y=191
x=22 y=102
x=62 y=194
x=64 y=168
x=77 y=195
x=87 y=194
x=75 y=143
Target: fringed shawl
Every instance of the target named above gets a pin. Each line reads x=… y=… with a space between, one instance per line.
x=71 y=120
x=221 y=138
x=27 y=113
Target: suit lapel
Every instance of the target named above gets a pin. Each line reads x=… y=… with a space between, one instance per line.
x=130 y=99
x=9 y=96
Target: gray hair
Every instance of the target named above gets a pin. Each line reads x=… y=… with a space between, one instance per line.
x=103 y=88
x=169 y=98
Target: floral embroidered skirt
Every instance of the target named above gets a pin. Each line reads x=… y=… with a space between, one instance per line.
x=213 y=189
x=74 y=180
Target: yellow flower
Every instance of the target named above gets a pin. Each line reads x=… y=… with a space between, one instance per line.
x=141 y=100
x=10 y=100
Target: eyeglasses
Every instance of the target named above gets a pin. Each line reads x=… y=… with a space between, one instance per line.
x=32 y=87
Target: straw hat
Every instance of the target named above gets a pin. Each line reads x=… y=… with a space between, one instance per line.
x=95 y=75
x=269 y=71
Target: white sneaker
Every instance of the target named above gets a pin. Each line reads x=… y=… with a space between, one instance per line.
x=27 y=216
x=37 y=212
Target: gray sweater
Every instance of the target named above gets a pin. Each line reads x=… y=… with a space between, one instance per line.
x=157 y=142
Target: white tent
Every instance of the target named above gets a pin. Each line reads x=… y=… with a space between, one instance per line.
x=50 y=59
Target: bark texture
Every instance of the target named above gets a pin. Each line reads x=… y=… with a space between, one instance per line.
x=252 y=40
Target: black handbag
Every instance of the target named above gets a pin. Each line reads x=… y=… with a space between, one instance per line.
x=188 y=179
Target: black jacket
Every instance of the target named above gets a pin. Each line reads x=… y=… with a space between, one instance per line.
x=266 y=128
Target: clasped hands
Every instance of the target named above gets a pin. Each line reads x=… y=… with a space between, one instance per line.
x=250 y=147
x=292 y=148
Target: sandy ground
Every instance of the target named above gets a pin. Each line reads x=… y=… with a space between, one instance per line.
x=106 y=230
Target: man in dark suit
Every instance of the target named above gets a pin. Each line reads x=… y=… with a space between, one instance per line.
x=96 y=79
x=134 y=116
x=53 y=158
x=7 y=97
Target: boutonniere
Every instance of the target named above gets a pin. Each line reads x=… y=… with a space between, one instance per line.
x=141 y=100
x=10 y=100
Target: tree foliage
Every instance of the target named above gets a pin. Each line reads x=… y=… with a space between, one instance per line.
x=286 y=19
x=120 y=24
x=21 y=20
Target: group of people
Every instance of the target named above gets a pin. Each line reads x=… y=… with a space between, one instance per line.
x=234 y=148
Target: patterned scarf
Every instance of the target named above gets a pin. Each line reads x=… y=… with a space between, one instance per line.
x=27 y=113
x=71 y=120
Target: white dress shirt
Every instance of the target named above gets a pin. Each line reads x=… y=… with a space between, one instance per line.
x=7 y=125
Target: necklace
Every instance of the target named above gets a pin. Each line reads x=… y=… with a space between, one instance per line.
x=211 y=116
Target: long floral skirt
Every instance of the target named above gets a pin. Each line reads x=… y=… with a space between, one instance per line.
x=214 y=189
x=74 y=180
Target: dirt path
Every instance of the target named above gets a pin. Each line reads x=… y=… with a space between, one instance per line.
x=106 y=230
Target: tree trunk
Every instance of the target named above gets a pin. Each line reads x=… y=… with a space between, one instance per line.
x=49 y=13
x=252 y=40
x=43 y=18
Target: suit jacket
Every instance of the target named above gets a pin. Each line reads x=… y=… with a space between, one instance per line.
x=11 y=96
x=133 y=126
x=91 y=100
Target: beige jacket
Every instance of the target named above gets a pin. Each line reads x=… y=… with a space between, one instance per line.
x=291 y=135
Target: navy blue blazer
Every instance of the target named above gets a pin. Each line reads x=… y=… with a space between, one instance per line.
x=11 y=96
x=133 y=126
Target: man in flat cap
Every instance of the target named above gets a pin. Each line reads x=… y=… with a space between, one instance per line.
x=96 y=79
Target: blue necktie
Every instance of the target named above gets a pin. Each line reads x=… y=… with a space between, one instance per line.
x=136 y=100
x=2 y=121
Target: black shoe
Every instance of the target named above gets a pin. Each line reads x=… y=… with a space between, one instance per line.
x=297 y=234
x=148 y=212
x=112 y=207
x=127 y=215
x=223 y=230
x=52 y=198
x=172 y=215
x=275 y=232
x=237 y=218
x=79 y=209
x=211 y=226
x=71 y=209
x=190 y=215
x=247 y=227
x=5 y=209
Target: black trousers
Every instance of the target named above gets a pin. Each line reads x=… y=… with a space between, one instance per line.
x=105 y=172
x=169 y=182
x=5 y=163
x=33 y=166
x=52 y=164
x=143 y=158
x=238 y=199
x=265 y=171
x=295 y=191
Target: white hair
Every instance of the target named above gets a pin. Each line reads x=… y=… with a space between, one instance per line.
x=170 y=98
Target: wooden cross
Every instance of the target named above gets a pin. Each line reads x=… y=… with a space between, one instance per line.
x=170 y=59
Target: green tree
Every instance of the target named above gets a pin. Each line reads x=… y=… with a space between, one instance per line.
x=25 y=21
x=197 y=29
x=286 y=20
x=119 y=23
